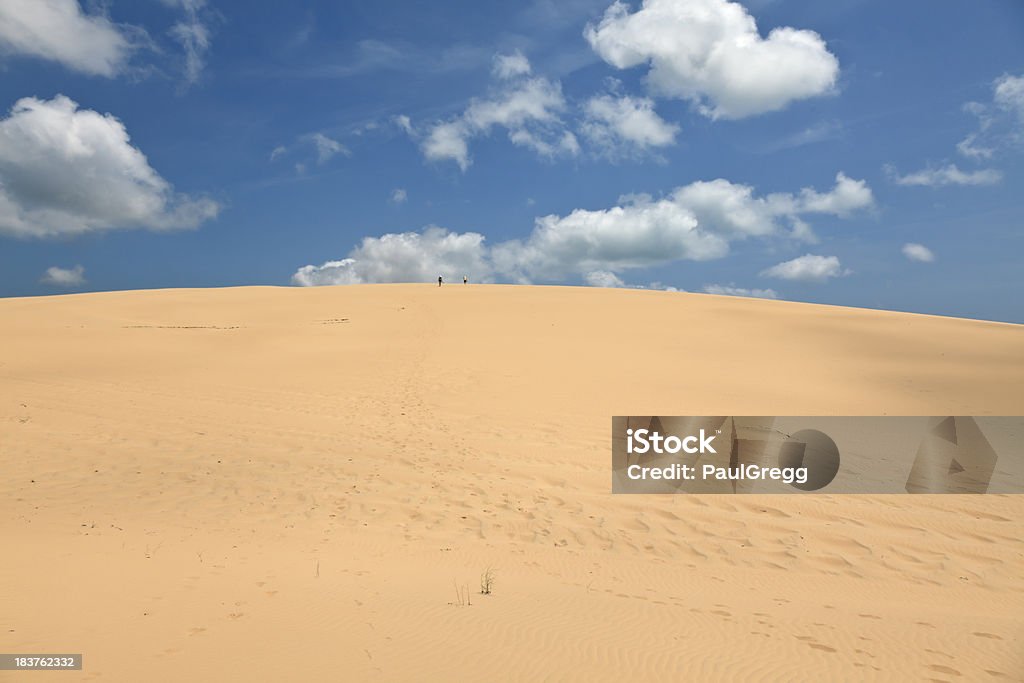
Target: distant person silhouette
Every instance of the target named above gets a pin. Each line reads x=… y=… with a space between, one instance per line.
x=465 y=279
x=438 y=280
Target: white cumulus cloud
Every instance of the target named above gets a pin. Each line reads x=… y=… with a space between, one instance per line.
x=528 y=108
x=807 y=268
x=399 y=196
x=59 y=31
x=695 y=222
x=65 y=171
x=847 y=197
x=918 y=252
x=405 y=257
x=711 y=53
x=642 y=233
x=64 y=277
x=448 y=142
x=625 y=126
x=733 y=210
x=603 y=278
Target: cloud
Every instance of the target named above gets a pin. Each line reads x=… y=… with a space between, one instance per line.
x=59 y=31
x=801 y=231
x=565 y=144
x=194 y=36
x=711 y=53
x=603 y=278
x=695 y=222
x=399 y=196
x=534 y=99
x=326 y=147
x=403 y=122
x=973 y=148
x=807 y=268
x=1000 y=129
x=90 y=43
x=625 y=126
x=1009 y=95
x=404 y=257
x=949 y=174
x=918 y=252
x=528 y=108
x=64 y=277
x=639 y=234
x=448 y=141
x=846 y=197
x=66 y=171
x=510 y=66
x=532 y=109
x=1000 y=122
x=733 y=290
x=732 y=209
x=608 y=279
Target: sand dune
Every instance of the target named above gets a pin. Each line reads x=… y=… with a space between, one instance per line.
x=302 y=484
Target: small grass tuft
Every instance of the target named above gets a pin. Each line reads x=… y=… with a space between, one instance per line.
x=487 y=582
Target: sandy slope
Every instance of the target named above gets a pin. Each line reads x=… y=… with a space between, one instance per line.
x=290 y=484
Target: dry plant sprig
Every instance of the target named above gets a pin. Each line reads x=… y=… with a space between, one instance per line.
x=487 y=581
x=462 y=596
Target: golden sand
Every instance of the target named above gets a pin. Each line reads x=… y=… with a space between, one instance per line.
x=282 y=484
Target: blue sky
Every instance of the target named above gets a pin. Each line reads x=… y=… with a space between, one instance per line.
x=851 y=152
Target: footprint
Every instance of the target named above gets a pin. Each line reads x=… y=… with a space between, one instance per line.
x=195 y=630
x=988 y=635
x=819 y=646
